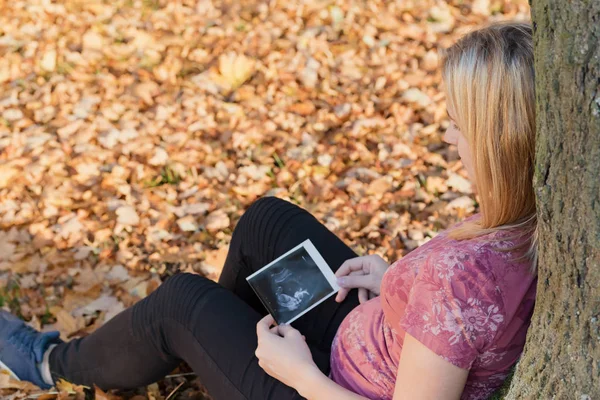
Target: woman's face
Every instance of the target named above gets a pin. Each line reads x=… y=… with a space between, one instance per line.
x=455 y=137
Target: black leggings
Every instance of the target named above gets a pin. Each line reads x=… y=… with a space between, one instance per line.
x=210 y=326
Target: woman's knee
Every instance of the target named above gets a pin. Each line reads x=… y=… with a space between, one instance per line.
x=267 y=205
x=261 y=212
x=178 y=297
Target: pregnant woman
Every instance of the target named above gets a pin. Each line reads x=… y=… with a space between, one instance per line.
x=447 y=321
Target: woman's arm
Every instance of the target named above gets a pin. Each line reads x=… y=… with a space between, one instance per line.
x=283 y=353
x=423 y=375
x=315 y=385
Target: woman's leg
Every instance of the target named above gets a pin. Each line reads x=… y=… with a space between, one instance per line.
x=269 y=228
x=193 y=319
x=187 y=318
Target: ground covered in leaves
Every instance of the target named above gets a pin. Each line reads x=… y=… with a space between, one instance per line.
x=134 y=133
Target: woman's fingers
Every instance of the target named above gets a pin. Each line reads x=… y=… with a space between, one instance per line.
x=264 y=324
x=362 y=273
x=355 y=281
x=343 y=292
x=288 y=330
x=362 y=295
x=341 y=295
x=353 y=264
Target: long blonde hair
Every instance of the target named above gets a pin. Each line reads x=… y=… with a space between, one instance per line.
x=489 y=81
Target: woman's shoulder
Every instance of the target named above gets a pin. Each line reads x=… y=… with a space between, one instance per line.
x=490 y=259
x=455 y=305
x=485 y=263
x=503 y=246
x=454 y=263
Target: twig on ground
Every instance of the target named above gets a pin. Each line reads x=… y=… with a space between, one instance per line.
x=178 y=375
x=174 y=390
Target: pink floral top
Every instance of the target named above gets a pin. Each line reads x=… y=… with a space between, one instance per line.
x=467 y=301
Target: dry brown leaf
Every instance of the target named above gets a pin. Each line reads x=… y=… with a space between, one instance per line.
x=101 y=395
x=7 y=174
x=216 y=221
x=214 y=261
x=380 y=186
x=304 y=109
x=66 y=324
x=127 y=215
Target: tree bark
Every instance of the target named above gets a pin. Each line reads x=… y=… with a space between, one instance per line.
x=561 y=359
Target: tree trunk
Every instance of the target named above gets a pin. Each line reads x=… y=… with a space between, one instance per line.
x=562 y=354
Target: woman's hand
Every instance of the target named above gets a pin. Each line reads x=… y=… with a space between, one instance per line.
x=282 y=352
x=364 y=273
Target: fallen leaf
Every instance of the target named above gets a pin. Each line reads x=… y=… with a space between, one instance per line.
x=12 y=114
x=160 y=157
x=304 y=109
x=216 y=221
x=66 y=323
x=459 y=183
x=93 y=41
x=126 y=215
x=110 y=304
x=309 y=74
x=146 y=91
x=187 y=224
x=48 y=61
x=153 y=392
x=215 y=260
x=7 y=250
x=430 y=61
x=416 y=96
x=234 y=70
x=465 y=202
x=118 y=273
x=481 y=7
x=71 y=228
x=101 y=395
x=68 y=390
x=380 y=186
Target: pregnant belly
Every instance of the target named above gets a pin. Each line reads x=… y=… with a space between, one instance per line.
x=360 y=359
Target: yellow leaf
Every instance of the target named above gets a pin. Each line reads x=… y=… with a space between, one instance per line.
x=101 y=395
x=234 y=70
x=7 y=174
x=153 y=392
x=48 y=61
x=64 y=386
x=70 y=389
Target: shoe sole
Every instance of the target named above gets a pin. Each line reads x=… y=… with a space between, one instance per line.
x=3 y=367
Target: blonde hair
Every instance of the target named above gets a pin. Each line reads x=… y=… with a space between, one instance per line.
x=489 y=81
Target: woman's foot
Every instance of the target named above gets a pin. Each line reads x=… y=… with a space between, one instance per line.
x=22 y=349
